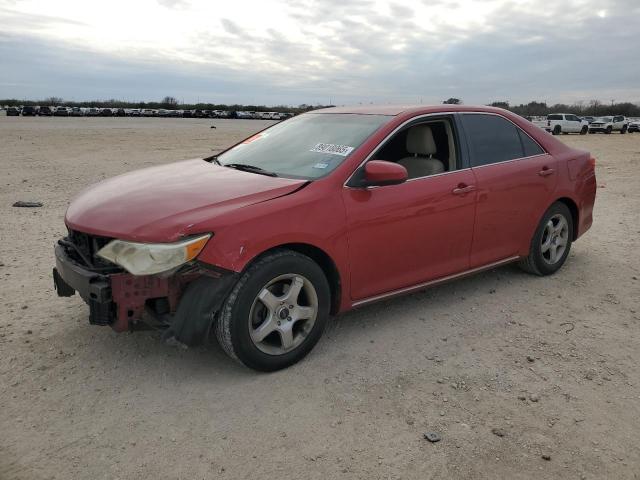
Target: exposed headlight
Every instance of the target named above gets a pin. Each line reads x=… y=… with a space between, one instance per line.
x=150 y=258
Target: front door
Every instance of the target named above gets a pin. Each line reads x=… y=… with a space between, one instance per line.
x=406 y=234
x=403 y=235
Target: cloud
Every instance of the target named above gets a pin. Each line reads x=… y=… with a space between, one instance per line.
x=230 y=27
x=173 y=3
x=310 y=50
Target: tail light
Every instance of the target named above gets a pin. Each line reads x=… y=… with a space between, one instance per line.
x=592 y=162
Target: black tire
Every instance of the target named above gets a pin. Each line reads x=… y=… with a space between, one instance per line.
x=557 y=130
x=536 y=262
x=232 y=325
x=624 y=129
x=609 y=130
x=584 y=130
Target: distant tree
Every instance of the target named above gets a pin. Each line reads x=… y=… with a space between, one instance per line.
x=53 y=101
x=504 y=105
x=531 y=109
x=452 y=101
x=561 y=108
x=594 y=106
x=169 y=101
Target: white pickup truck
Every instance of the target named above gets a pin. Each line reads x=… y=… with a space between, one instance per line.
x=609 y=124
x=558 y=123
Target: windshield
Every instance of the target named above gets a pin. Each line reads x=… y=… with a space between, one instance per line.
x=308 y=146
x=605 y=119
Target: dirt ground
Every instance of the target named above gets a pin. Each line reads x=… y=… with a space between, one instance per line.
x=508 y=368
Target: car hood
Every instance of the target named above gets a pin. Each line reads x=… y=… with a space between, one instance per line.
x=165 y=203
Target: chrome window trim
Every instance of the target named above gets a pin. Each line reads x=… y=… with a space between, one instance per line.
x=427 y=115
x=512 y=160
x=437 y=175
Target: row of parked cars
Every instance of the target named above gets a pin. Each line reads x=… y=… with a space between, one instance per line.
x=50 y=111
x=564 y=123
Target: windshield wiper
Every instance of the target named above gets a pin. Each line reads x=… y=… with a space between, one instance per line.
x=251 y=168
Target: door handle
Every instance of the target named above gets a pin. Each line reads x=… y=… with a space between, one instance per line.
x=546 y=171
x=462 y=189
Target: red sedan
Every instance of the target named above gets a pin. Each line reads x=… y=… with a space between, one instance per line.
x=317 y=215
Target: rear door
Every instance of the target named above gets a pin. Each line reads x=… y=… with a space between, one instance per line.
x=618 y=123
x=515 y=179
x=574 y=125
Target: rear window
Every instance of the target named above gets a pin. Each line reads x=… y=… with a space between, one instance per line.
x=554 y=117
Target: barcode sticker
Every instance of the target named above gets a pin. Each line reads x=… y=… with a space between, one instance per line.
x=342 y=150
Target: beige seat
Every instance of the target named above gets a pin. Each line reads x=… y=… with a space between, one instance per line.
x=421 y=144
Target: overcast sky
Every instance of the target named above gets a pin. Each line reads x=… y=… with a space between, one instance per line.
x=338 y=51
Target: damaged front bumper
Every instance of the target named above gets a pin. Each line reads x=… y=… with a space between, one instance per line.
x=127 y=302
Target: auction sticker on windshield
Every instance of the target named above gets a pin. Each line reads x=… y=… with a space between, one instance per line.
x=342 y=150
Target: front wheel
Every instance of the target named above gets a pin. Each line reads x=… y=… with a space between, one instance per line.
x=624 y=129
x=609 y=130
x=276 y=313
x=551 y=242
x=584 y=130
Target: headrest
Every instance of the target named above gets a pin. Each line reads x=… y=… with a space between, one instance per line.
x=420 y=140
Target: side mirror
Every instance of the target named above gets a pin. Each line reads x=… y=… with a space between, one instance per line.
x=381 y=172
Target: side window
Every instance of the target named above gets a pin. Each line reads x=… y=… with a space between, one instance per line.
x=492 y=139
x=424 y=149
x=530 y=147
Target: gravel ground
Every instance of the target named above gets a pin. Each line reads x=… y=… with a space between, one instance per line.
x=522 y=377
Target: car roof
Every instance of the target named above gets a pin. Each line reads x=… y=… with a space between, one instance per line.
x=394 y=110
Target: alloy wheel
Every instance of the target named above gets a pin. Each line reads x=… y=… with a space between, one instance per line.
x=555 y=238
x=283 y=314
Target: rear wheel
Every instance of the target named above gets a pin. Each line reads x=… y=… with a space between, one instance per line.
x=551 y=242
x=276 y=312
x=557 y=130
